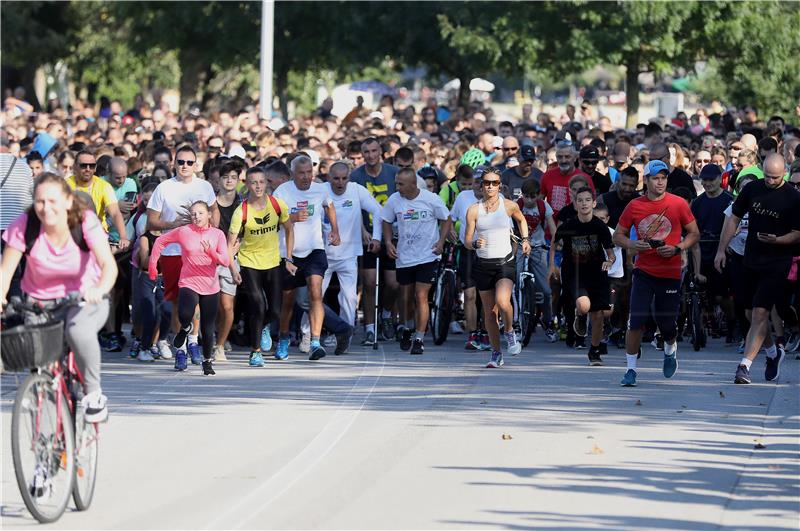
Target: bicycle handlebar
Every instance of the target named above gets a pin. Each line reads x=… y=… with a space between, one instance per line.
x=17 y=305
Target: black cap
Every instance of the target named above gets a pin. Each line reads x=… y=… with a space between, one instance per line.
x=589 y=153
x=527 y=153
x=710 y=172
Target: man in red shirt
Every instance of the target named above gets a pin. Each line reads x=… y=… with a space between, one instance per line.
x=555 y=181
x=659 y=219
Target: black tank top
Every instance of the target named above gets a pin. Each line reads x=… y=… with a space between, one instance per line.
x=226 y=213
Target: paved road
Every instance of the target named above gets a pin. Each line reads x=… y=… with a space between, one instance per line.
x=383 y=440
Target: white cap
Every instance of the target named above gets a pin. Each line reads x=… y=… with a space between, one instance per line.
x=236 y=150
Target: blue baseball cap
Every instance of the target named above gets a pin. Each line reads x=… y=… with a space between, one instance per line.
x=654 y=167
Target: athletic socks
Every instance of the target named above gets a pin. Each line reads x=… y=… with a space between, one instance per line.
x=670 y=350
x=314 y=341
x=419 y=335
x=772 y=352
x=192 y=339
x=370 y=328
x=631 y=360
x=746 y=362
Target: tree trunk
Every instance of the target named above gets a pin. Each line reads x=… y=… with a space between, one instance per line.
x=463 y=91
x=282 y=87
x=632 y=92
x=193 y=72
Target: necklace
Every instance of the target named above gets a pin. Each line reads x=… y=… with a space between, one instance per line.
x=492 y=207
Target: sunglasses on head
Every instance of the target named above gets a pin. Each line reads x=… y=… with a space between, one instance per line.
x=87 y=165
x=181 y=162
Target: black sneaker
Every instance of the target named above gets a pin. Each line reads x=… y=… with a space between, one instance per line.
x=742 y=375
x=405 y=341
x=418 y=348
x=180 y=337
x=621 y=340
x=579 y=325
x=207 y=368
x=602 y=349
x=343 y=343
x=317 y=353
x=773 y=369
x=580 y=343
x=594 y=356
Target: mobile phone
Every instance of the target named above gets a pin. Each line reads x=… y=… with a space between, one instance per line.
x=655 y=244
x=130 y=197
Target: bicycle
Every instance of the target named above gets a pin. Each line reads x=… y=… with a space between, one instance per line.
x=54 y=450
x=694 y=296
x=444 y=295
x=528 y=299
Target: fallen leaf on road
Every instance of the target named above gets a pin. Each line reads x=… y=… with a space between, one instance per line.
x=507 y=437
x=638 y=402
x=484 y=402
x=759 y=446
x=721 y=394
x=678 y=411
x=596 y=450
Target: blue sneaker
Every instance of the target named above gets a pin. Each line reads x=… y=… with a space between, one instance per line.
x=629 y=380
x=282 y=352
x=195 y=353
x=135 y=346
x=496 y=361
x=180 y=360
x=256 y=360
x=670 y=365
x=317 y=352
x=266 y=340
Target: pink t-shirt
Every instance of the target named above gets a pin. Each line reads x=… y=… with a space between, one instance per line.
x=53 y=273
x=199 y=269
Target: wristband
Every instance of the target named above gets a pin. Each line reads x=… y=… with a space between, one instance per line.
x=289 y=260
x=678 y=250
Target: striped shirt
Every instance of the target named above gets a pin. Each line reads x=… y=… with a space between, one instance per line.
x=16 y=194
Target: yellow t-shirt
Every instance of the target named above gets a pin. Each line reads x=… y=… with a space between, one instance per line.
x=260 y=248
x=101 y=192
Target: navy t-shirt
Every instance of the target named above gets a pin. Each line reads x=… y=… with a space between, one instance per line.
x=381 y=187
x=710 y=215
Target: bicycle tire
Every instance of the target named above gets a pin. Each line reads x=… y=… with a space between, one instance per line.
x=527 y=311
x=53 y=457
x=444 y=309
x=697 y=324
x=86 y=457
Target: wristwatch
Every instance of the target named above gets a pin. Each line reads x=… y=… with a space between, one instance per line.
x=289 y=260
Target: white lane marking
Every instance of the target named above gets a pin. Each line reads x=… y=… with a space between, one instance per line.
x=305 y=461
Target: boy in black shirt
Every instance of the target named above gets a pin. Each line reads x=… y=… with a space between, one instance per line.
x=588 y=253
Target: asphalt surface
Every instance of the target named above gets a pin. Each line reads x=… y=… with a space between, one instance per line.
x=381 y=439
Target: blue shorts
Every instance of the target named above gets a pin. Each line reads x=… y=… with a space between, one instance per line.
x=316 y=263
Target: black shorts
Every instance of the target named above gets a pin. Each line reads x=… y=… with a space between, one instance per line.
x=487 y=272
x=316 y=263
x=717 y=284
x=658 y=296
x=765 y=288
x=466 y=261
x=597 y=288
x=420 y=273
x=369 y=260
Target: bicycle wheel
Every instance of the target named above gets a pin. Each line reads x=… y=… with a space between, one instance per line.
x=86 y=452
x=697 y=324
x=44 y=457
x=527 y=311
x=444 y=308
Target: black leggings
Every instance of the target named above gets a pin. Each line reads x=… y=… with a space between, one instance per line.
x=187 y=302
x=262 y=287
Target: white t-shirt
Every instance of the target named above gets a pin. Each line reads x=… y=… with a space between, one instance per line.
x=173 y=197
x=348 y=208
x=617 y=268
x=417 y=225
x=463 y=201
x=307 y=234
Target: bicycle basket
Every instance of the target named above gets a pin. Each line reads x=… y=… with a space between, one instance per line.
x=28 y=346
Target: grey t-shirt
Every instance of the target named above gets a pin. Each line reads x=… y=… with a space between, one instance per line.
x=513 y=181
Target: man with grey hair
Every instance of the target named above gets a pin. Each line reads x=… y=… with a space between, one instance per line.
x=307 y=201
x=555 y=181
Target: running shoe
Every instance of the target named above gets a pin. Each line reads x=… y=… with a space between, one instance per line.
x=317 y=353
x=602 y=349
x=670 y=365
x=594 y=356
x=485 y=343
x=455 y=328
x=579 y=325
x=95 y=407
x=196 y=353
x=629 y=380
x=266 y=340
x=387 y=329
x=551 y=335
x=621 y=339
x=282 y=352
x=742 y=375
x=329 y=341
x=369 y=339
x=496 y=361
x=180 y=360
x=219 y=354
x=146 y=355
x=794 y=342
x=180 y=337
x=134 y=350
x=514 y=346
x=398 y=332
x=473 y=342
x=163 y=349
x=405 y=341
x=658 y=342
x=228 y=346
x=208 y=370
x=109 y=344
x=256 y=359
x=305 y=344
x=343 y=343
x=580 y=343
x=417 y=348
x=773 y=368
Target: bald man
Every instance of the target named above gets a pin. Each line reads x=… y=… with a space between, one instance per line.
x=773 y=209
x=749 y=141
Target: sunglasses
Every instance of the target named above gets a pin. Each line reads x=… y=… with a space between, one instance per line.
x=704 y=161
x=512 y=149
x=491 y=183
x=214 y=149
x=181 y=162
x=87 y=165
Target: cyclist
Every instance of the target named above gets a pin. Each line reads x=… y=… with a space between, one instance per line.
x=659 y=218
x=489 y=233
x=254 y=230
x=66 y=250
x=418 y=246
x=203 y=248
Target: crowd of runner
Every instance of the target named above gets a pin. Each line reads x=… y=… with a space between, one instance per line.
x=276 y=236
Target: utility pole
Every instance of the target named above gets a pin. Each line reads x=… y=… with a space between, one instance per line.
x=267 y=46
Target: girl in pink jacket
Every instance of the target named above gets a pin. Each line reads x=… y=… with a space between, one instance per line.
x=203 y=248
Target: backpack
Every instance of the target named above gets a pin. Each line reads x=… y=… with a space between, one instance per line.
x=275 y=206
x=33 y=227
x=532 y=225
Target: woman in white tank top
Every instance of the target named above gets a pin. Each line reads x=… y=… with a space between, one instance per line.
x=489 y=230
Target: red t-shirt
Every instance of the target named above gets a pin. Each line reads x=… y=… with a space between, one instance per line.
x=658 y=220
x=555 y=187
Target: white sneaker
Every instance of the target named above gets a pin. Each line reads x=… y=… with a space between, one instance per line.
x=455 y=328
x=146 y=355
x=329 y=341
x=164 y=350
x=305 y=344
x=94 y=407
x=219 y=354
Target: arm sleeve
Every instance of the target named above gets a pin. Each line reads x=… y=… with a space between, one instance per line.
x=223 y=258
x=626 y=219
x=157 y=199
x=369 y=204
x=93 y=231
x=548 y=210
x=605 y=236
x=211 y=197
x=387 y=212
x=236 y=220
x=14 y=236
x=686 y=214
x=284 y=217
x=109 y=197
x=439 y=208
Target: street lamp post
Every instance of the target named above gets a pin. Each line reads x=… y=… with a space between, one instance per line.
x=267 y=42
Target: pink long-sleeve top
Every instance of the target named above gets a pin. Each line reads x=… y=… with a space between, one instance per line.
x=199 y=269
